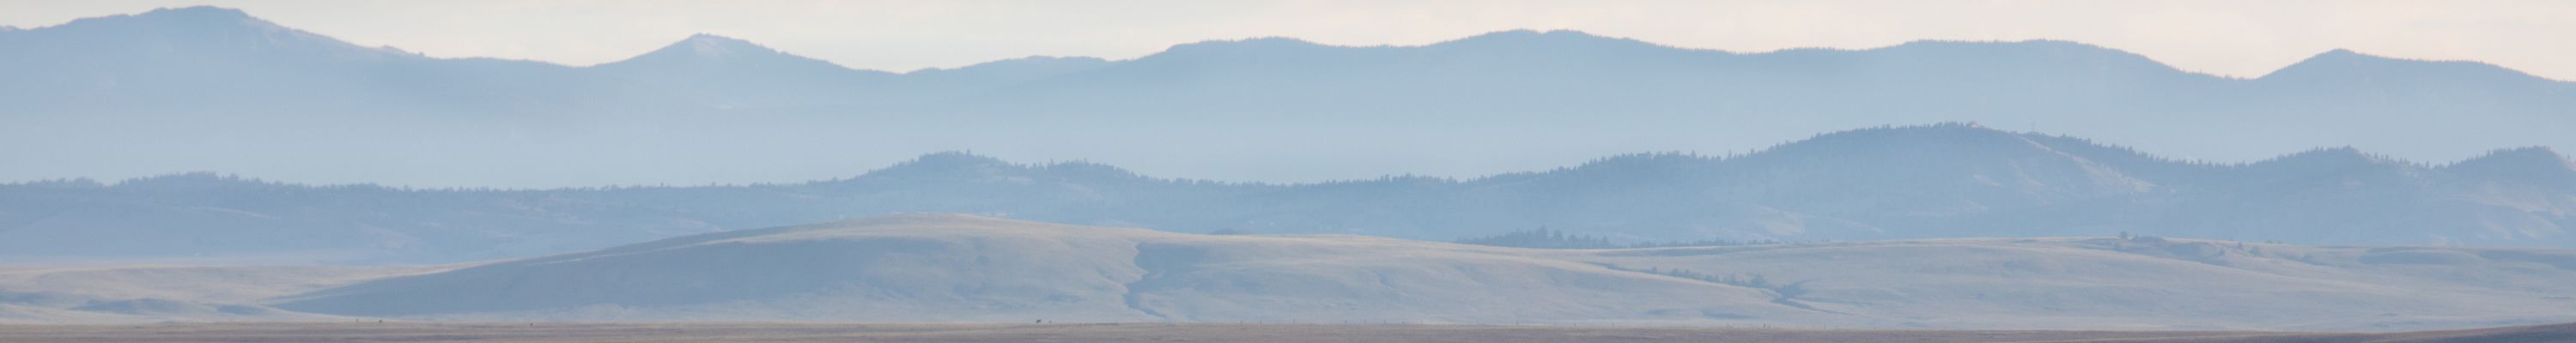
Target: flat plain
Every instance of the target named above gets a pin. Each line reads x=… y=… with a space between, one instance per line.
x=1135 y=332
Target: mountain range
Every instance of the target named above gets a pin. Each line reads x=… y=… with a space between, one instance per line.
x=1933 y=181
x=204 y=88
x=2345 y=192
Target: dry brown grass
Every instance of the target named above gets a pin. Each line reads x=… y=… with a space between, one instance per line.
x=810 y=332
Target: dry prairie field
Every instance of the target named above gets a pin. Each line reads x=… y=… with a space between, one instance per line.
x=819 y=332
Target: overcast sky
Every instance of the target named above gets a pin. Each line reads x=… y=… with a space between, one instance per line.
x=2238 y=38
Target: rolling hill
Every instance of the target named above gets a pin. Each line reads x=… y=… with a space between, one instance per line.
x=96 y=294
x=1247 y=333
x=943 y=268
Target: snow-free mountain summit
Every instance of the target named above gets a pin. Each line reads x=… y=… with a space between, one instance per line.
x=218 y=89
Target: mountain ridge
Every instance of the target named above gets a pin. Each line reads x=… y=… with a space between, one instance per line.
x=1513 y=37
x=937 y=163
x=249 y=105
x=1931 y=181
x=1519 y=36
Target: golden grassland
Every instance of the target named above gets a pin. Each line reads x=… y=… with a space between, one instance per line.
x=824 y=332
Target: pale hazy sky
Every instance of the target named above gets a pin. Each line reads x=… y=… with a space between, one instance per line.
x=2238 y=38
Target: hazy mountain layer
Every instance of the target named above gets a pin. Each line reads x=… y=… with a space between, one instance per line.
x=938 y=268
x=215 y=89
x=1884 y=183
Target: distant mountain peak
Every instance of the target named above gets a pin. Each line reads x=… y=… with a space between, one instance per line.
x=956 y=158
x=2536 y=164
x=2333 y=160
x=2537 y=151
x=194 y=18
x=960 y=165
x=710 y=39
x=708 y=55
x=194 y=33
x=2537 y=156
x=945 y=164
x=1248 y=45
x=1939 y=129
x=186 y=180
x=713 y=48
x=197 y=12
x=2344 y=65
x=1956 y=138
x=2340 y=57
x=1549 y=39
x=2346 y=153
x=1962 y=140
